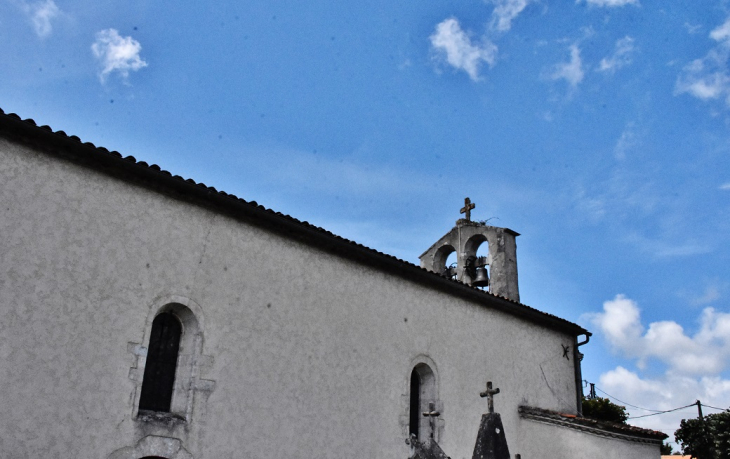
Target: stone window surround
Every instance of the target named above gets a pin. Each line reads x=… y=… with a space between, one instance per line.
x=153 y=446
x=191 y=361
x=404 y=419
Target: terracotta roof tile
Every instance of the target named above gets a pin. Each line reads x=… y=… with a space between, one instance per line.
x=608 y=427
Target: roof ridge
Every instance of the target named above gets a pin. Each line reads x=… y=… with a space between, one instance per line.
x=114 y=155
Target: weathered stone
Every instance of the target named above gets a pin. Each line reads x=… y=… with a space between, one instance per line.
x=428 y=449
x=491 y=441
x=465 y=239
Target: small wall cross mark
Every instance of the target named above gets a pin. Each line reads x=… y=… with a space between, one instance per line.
x=468 y=206
x=432 y=414
x=566 y=349
x=490 y=393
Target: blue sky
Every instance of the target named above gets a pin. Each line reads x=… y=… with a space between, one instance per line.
x=598 y=129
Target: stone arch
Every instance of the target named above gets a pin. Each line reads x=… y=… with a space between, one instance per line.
x=472 y=245
x=423 y=378
x=476 y=253
x=191 y=363
x=440 y=257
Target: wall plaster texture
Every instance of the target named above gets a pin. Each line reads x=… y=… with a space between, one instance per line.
x=300 y=352
x=542 y=440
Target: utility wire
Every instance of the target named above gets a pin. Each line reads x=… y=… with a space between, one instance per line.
x=662 y=412
x=656 y=412
x=716 y=408
x=629 y=404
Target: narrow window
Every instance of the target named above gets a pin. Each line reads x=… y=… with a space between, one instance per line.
x=415 y=404
x=423 y=392
x=159 y=372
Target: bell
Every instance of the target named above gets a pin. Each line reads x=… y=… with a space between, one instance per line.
x=482 y=277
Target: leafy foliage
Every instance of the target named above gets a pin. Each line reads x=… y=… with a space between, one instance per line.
x=602 y=409
x=705 y=440
x=666 y=449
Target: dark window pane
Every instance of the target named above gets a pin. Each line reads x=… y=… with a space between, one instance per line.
x=159 y=373
x=415 y=403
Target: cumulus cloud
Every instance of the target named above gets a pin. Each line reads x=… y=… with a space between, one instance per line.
x=504 y=12
x=41 y=14
x=704 y=353
x=117 y=54
x=610 y=3
x=621 y=56
x=694 y=364
x=665 y=392
x=708 y=78
x=454 y=45
x=571 y=71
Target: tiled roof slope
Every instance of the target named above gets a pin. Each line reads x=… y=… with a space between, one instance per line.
x=70 y=147
x=603 y=428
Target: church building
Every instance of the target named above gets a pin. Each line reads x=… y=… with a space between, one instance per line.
x=142 y=318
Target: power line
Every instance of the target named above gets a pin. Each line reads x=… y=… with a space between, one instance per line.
x=716 y=408
x=629 y=404
x=656 y=412
x=662 y=412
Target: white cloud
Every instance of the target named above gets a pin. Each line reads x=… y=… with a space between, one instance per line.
x=667 y=245
x=621 y=56
x=710 y=295
x=610 y=3
x=708 y=78
x=620 y=323
x=505 y=11
x=692 y=28
x=451 y=42
x=725 y=186
x=117 y=53
x=694 y=364
x=41 y=14
x=704 y=353
x=628 y=141
x=721 y=33
x=571 y=71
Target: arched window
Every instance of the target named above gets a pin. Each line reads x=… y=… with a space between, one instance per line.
x=159 y=374
x=415 y=404
x=422 y=393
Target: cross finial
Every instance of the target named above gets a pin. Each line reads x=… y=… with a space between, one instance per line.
x=468 y=206
x=432 y=414
x=490 y=393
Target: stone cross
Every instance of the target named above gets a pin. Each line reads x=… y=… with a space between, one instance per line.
x=490 y=393
x=468 y=206
x=432 y=414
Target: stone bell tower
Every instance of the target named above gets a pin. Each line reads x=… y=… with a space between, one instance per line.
x=496 y=269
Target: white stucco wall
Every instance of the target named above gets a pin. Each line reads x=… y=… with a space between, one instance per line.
x=541 y=440
x=310 y=354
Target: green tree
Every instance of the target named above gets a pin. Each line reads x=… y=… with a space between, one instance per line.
x=602 y=409
x=666 y=449
x=708 y=439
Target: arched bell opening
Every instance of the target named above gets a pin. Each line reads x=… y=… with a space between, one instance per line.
x=445 y=261
x=476 y=267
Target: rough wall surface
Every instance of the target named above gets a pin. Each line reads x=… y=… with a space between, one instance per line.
x=296 y=352
x=546 y=441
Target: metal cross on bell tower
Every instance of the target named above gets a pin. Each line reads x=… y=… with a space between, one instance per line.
x=468 y=206
x=490 y=393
